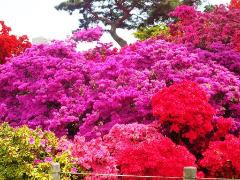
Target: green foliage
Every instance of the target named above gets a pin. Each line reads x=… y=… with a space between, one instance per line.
x=27 y=154
x=209 y=8
x=126 y=14
x=144 y=33
x=123 y=14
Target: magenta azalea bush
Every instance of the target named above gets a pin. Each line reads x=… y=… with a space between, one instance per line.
x=56 y=88
x=201 y=29
x=216 y=31
x=91 y=34
x=167 y=103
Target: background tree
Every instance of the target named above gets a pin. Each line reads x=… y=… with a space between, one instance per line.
x=144 y=33
x=160 y=11
x=127 y=14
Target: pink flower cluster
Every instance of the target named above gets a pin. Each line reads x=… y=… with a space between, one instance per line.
x=204 y=28
x=131 y=149
x=91 y=34
x=216 y=31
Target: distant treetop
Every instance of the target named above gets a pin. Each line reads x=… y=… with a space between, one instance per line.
x=127 y=14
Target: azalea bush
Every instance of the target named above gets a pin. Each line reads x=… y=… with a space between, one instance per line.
x=216 y=31
x=185 y=108
x=154 y=158
x=11 y=45
x=221 y=158
x=141 y=149
x=28 y=154
x=204 y=28
x=187 y=118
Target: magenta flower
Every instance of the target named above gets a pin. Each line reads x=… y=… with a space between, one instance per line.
x=89 y=35
x=42 y=143
x=31 y=141
x=37 y=161
x=48 y=149
x=74 y=170
x=48 y=159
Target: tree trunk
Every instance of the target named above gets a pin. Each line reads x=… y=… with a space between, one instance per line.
x=118 y=39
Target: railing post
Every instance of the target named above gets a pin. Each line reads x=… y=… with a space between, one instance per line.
x=189 y=173
x=55 y=171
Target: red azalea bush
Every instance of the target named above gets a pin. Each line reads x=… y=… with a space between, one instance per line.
x=222 y=127
x=11 y=45
x=154 y=158
x=222 y=158
x=234 y=4
x=185 y=108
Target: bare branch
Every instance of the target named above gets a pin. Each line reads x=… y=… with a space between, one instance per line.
x=125 y=10
x=108 y=21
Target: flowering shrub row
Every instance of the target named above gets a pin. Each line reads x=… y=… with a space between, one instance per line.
x=140 y=149
x=136 y=149
x=215 y=31
x=58 y=89
x=167 y=105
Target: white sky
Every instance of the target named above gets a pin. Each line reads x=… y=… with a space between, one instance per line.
x=39 y=18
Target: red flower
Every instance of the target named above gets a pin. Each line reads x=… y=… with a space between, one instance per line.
x=222 y=158
x=155 y=158
x=234 y=4
x=185 y=107
x=11 y=45
x=223 y=126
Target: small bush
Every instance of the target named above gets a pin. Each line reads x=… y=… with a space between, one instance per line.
x=27 y=154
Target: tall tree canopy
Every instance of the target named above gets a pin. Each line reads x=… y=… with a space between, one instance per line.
x=115 y=14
